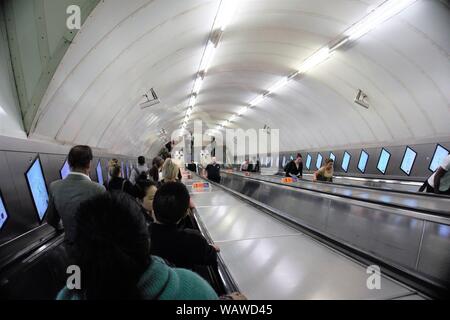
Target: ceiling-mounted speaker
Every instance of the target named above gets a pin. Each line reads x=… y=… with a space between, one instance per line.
x=362 y=99
x=151 y=99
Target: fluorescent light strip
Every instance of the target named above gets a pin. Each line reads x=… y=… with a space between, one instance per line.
x=198 y=85
x=226 y=13
x=384 y=12
x=316 y=59
x=243 y=111
x=207 y=57
x=257 y=100
x=192 y=101
x=379 y=15
x=277 y=86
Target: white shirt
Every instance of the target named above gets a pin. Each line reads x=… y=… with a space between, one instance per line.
x=445 y=180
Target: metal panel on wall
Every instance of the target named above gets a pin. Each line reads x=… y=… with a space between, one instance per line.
x=25 y=218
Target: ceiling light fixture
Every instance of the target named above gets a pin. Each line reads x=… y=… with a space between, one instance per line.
x=316 y=59
x=379 y=15
x=198 y=85
x=226 y=13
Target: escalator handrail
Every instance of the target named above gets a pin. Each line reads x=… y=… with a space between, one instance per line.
x=433 y=215
x=419 y=194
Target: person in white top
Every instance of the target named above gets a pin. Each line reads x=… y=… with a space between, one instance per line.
x=244 y=166
x=439 y=182
x=141 y=168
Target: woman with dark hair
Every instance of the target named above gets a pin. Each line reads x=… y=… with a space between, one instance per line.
x=156 y=168
x=112 y=249
x=145 y=193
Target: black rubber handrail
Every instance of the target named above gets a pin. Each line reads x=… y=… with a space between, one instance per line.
x=392 y=205
x=419 y=194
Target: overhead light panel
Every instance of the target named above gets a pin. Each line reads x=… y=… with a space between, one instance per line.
x=277 y=86
x=226 y=13
x=192 y=100
x=316 y=59
x=198 y=85
x=243 y=111
x=379 y=15
x=207 y=57
x=257 y=100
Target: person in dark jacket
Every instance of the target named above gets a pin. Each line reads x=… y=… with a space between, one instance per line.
x=112 y=250
x=117 y=183
x=212 y=171
x=294 y=168
x=156 y=168
x=185 y=248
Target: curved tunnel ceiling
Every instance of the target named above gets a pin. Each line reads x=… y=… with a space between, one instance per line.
x=127 y=47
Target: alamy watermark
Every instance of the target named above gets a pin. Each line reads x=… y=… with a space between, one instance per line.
x=374 y=280
x=73 y=21
x=227 y=145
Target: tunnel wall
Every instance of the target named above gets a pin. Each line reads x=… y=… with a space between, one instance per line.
x=419 y=172
x=16 y=155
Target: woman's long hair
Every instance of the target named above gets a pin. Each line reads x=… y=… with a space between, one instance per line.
x=170 y=170
x=112 y=247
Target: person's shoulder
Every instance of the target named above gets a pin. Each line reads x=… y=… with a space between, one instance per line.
x=56 y=184
x=67 y=295
x=193 y=287
x=175 y=283
x=95 y=187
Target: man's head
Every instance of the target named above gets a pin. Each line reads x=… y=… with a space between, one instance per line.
x=80 y=158
x=111 y=238
x=171 y=203
x=299 y=158
x=214 y=160
x=141 y=160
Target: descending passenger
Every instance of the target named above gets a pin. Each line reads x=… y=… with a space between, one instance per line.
x=141 y=168
x=192 y=166
x=212 y=171
x=257 y=166
x=117 y=183
x=66 y=195
x=294 y=168
x=182 y=247
x=112 y=248
x=326 y=172
x=170 y=171
x=244 y=166
x=155 y=171
x=439 y=182
x=145 y=193
x=111 y=163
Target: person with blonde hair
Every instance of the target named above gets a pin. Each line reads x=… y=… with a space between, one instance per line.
x=117 y=182
x=170 y=171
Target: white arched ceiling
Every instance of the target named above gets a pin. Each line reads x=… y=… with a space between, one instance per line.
x=127 y=47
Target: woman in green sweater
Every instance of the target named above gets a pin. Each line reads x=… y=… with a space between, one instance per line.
x=112 y=249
